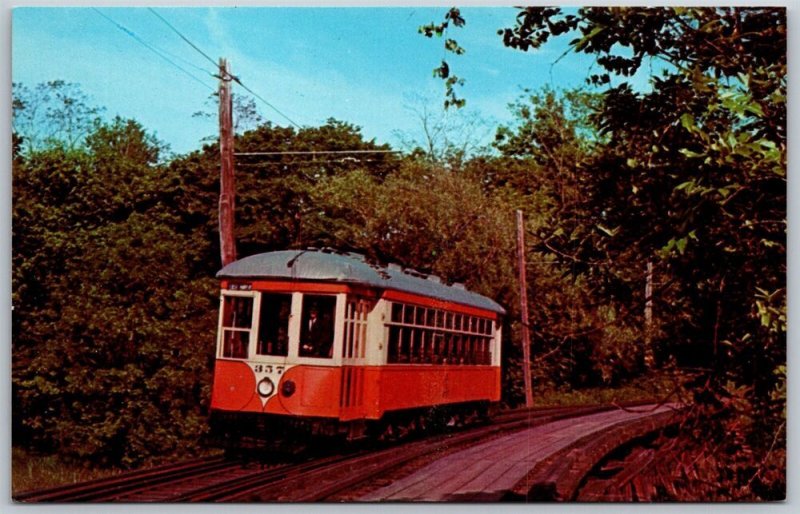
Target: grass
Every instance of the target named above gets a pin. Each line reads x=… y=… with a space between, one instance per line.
x=655 y=387
x=31 y=470
x=34 y=471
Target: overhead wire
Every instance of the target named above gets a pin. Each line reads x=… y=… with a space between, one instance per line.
x=238 y=81
x=182 y=36
x=315 y=152
x=287 y=163
x=231 y=76
x=153 y=49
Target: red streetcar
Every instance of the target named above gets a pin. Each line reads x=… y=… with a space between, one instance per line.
x=323 y=343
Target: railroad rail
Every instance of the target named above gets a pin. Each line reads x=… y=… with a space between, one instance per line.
x=102 y=489
x=332 y=478
x=517 y=465
x=335 y=481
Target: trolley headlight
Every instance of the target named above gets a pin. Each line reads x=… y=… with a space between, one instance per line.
x=266 y=387
x=288 y=387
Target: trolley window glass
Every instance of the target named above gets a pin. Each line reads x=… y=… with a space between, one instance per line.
x=237 y=318
x=316 y=330
x=273 y=324
x=421 y=335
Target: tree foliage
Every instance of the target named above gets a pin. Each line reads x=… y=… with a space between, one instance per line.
x=51 y=113
x=692 y=174
x=114 y=298
x=110 y=325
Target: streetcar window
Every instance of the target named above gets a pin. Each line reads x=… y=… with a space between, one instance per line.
x=273 y=326
x=397 y=312
x=316 y=329
x=408 y=315
x=431 y=315
x=437 y=350
x=394 y=344
x=484 y=351
x=235 y=344
x=447 y=348
x=237 y=312
x=237 y=318
x=419 y=334
x=421 y=315
x=422 y=345
x=355 y=327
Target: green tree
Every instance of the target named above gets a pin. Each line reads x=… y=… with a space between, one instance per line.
x=51 y=113
x=273 y=207
x=112 y=327
x=704 y=158
x=692 y=174
x=584 y=332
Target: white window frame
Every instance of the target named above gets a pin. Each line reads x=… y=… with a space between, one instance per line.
x=254 y=355
x=338 y=330
x=256 y=296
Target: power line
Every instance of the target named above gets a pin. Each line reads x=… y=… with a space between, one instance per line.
x=182 y=36
x=287 y=163
x=153 y=49
x=193 y=65
x=316 y=152
x=232 y=77
x=238 y=81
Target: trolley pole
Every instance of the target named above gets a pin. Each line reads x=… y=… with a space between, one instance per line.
x=227 y=188
x=523 y=307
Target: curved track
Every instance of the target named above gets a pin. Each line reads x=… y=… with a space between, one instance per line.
x=216 y=479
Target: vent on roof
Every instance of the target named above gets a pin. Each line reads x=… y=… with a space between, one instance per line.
x=459 y=285
x=435 y=278
x=394 y=267
x=380 y=270
x=356 y=255
x=414 y=273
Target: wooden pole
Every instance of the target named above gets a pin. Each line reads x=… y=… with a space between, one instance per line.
x=523 y=307
x=648 y=317
x=227 y=188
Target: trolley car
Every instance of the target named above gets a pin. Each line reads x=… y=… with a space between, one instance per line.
x=325 y=343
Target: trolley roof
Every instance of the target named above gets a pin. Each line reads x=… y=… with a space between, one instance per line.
x=349 y=268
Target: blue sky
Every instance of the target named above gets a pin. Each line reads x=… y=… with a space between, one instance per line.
x=358 y=65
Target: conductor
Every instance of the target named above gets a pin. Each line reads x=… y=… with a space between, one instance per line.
x=317 y=334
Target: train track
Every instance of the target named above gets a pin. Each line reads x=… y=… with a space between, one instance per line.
x=216 y=479
x=327 y=482
x=338 y=482
x=106 y=489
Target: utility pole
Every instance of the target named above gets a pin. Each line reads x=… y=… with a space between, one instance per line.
x=648 y=317
x=523 y=307
x=227 y=188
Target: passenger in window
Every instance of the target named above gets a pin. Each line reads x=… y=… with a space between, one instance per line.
x=317 y=339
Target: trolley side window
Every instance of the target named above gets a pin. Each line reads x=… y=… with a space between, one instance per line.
x=237 y=318
x=355 y=327
x=316 y=326
x=423 y=335
x=273 y=325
